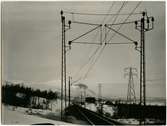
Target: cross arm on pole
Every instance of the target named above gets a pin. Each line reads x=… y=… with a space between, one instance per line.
x=86 y=23
x=120 y=43
x=93 y=43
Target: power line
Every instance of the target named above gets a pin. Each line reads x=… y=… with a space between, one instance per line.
x=86 y=23
x=86 y=33
x=124 y=3
x=104 y=46
x=98 y=14
x=84 y=65
x=154 y=80
x=93 y=63
x=91 y=66
x=129 y=22
x=103 y=21
x=120 y=34
x=94 y=53
x=87 y=43
x=112 y=37
x=96 y=34
x=99 y=57
x=86 y=62
x=113 y=3
x=126 y=19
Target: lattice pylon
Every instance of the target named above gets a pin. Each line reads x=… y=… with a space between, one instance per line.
x=131 y=96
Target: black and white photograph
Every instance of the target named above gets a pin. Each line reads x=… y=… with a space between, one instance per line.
x=83 y=62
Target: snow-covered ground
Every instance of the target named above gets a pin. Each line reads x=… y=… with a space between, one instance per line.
x=19 y=115
x=91 y=107
x=156 y=103
x=106 y=108
x=128 y=121
x=136 y=122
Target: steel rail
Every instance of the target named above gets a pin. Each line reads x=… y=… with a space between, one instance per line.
x=89 y=121
x=95 y=116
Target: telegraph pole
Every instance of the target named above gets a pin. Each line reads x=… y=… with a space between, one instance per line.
x=100 y=97
x=63 y=61
x=69 y=91
x=81 y=96
x=143 y=25
x=84 y=97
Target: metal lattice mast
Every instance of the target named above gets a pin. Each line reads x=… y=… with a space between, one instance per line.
x=63 y=62
x=131 y=96
x=144 y=24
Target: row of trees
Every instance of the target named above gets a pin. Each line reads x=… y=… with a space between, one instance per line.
x=10 y=91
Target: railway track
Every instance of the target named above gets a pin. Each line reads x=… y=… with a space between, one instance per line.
x=92 y=118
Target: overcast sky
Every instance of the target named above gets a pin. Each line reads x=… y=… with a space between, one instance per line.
x=32 y=46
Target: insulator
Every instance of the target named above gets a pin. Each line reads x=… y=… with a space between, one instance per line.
x=63 y=18
x=143 y=13
x=136 y=22
x=136 y=43
x=152 y=19
x=69 y=42
x=69 y=22
x=61 y=12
